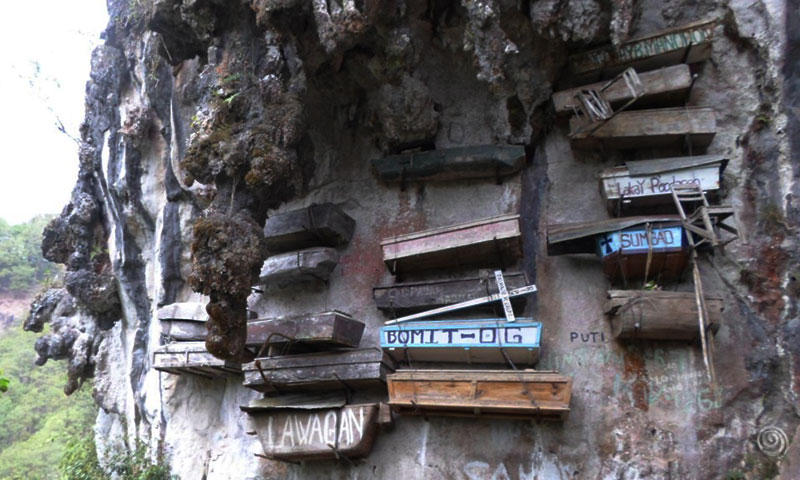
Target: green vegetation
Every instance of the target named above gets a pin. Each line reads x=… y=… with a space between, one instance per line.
x=79 y=462
x=22 y=267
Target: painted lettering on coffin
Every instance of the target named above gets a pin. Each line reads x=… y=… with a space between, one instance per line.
x=317 y=429
x=466 y=336
x=655 y=185
x=638 y=241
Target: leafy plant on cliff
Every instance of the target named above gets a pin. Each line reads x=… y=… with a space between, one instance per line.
x=80 y=462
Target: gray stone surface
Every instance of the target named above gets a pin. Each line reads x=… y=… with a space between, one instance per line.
x=311 y=109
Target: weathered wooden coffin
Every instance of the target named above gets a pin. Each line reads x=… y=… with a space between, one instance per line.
x=648 y=182
x=319 y=430
x=659 y=315
x=624 y=244
x=326 y=329
x=410 y=297
x=495 y=241
x=193 y=358
x=354 y=369
x=664 y=87
x=322 y=224
x=685 y=44
x=310 y=264
x=521 y=394
x=186 y=321
x=658 y=128
x=479 y=161
x=492 y=340
x=660 y=254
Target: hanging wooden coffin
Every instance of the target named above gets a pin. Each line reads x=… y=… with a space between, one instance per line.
x=309 y=264
x=513 y=394
x=193 y=358
x=685 y=44
x=186 y=321
x=644 y=183
x=354 y=369
x=495 y=241
x=479 y=161
x=465 y=341
x=659 y=128
x=410 y=297
x=327 y=329
x=659 y=315
x=313 y=431
x=660 y=253
x=664 y=87
x=322 y=224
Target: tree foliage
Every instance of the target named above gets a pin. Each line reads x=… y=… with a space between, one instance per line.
x=22 y=266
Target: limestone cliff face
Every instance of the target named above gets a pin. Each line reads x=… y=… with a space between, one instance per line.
x=227 y=111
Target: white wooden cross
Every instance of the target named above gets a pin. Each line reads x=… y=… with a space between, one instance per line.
x=503 y=295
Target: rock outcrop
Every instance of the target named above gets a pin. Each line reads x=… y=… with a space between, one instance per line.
x=203 y=117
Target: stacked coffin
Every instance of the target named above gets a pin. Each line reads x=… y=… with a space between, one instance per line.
x=477 y=345
x=308 y=366
x=183 y=327
x=654 y=246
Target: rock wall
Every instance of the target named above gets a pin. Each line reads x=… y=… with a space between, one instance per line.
x=239 y=109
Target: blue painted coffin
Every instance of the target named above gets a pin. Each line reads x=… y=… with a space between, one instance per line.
x=464 y=341
x=661 y=254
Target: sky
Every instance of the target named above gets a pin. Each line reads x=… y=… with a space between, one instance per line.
x=47 y=46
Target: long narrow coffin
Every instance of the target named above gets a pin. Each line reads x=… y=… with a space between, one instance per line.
x=354 y=369
x=521 y=394
x=659 y=315
x=192 y=358
x=326 y=329
x=631 y=248
x=492 y=340
x=314 y=430
x=495 y=241
x=479 y=161
x=664 y=127
x=309 y=264
x=185 y=321
x=685 y=44
x=644 y=183
x=411 y=297
x=664 y=87
x=322 y=224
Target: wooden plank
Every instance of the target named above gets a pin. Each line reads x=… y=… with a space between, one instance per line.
x=321 y=434
x=322 y=224
x=664 y=87
x=354 y=369
x=192 y=358
x=325 y=329
x=689 y=43
x=478 y=161
x=659 y=315
x=487 y=242
x=183 y=311
x=649 y=184
x=515 y=393
x=472 y=341
x=574 y=238
x=310 y=264
x=295 y=401
x=186 y=322
x=411 y=297
x=665 y=127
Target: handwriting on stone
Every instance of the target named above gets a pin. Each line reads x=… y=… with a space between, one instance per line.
x=644 y=48
x=483 y=471
x=588 y=337
x=639 y=241
x=484 y=335
x=318 y=429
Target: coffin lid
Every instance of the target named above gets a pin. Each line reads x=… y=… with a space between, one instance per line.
x=661 y=165
x=297 y=401
x=579 y=237
x=448 y=228
x=486 y=275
